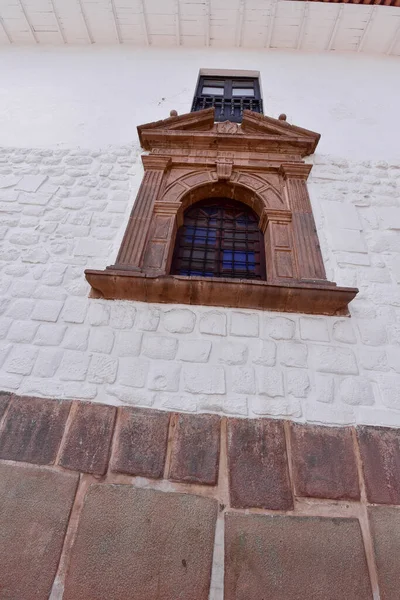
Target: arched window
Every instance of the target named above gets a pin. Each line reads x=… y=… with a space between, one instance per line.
x=219 y=238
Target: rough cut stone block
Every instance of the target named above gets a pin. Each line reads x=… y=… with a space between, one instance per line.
x=280 y=328
x=277 y=557
x=244 y=324
x=201 y=379
x=356 y=391
x=87 y=443
x=33 y=430
x=140 y=442
x=141 y=545
x=257 y=465
x=330 y=359
x=385 y=530
x=34 y=511
x=179 y=320
x=213 y=323
x=4 y=401
x=195 y=450
x=324 y=464
x=380 y=455
x=31 y=183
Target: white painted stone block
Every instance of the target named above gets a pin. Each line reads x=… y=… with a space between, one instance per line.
x=74 y=366
x=314 y=329
x=102 y=369
x=244 y=324
x=122 y=316
x=128 y=343
x=128 y=395
x=270 y=381
x=179 y=402
x=341 y=215
x=243 y=380
x=264 y=353
x=159 y=347
x=99 y=314
x=393 y=357
x=356 y=391
x=298 y=383
x=75 y=310
x=343 y=332
x=389 y=386
x=22 y=331
x=373 y=360
x=232 y=353
x=21 y=360
x=279 y=328
x=325 y=388
x=133 y=372
x=164 y=377
x=47 y=310
x=348 y=240
x=76 y=338
x=179 y=320
x=213 y=323
x=202 y=379
x=194 y=351
x=47 y=362
x=276 y=407
x=102 y=340
x=373 y=333
x=31 y=183
x=390 y=217
x=330 y=359
x=50 y=334
x=148 y=319
x=293 y=354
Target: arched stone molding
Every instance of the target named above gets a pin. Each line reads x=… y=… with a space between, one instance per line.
x=258 y=163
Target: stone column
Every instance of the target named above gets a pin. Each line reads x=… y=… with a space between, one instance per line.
x=309 y=259
x=130 y=256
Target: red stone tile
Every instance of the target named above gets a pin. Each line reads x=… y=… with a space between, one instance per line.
x=33 y=429
x=385 y=530
x=324 y=463
x=276 y=557
x=135 y=544
x=140 y=442
x=195 y=449
x=380 y=455
x=34 y=509
x=4 y=401
x=257 y=464
x=86 y=446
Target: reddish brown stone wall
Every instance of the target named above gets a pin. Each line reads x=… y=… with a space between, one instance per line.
x=139 y=492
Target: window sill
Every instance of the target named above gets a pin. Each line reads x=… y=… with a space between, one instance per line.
x=312 y=297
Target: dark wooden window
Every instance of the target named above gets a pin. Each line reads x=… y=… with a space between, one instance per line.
x=220 y=238
x=229 y=96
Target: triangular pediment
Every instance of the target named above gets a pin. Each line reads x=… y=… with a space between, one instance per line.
x=198 y=129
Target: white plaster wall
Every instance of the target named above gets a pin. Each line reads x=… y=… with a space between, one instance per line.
x=65 y=210
x=93 y=97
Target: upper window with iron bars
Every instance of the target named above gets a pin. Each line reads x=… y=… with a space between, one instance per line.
x=230 y=96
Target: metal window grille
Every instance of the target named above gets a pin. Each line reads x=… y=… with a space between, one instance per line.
x=229 y=96
x=219 y=238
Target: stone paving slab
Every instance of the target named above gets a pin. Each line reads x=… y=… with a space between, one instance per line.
x=33 y=430
x=140 y=442
x=34 y=509
x=324 y=463
x=135 y=544
x=294 y=558
x=380 y=455
x=87 y=442
x=195 y=449
x=385 y=529
x=257 y=464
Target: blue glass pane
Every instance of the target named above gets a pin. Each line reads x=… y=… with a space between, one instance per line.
x=198 y=235
x=238 y=260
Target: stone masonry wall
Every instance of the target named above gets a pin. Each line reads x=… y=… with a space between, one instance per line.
x=63 y=211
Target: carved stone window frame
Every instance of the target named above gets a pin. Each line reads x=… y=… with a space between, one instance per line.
x=259 y=163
